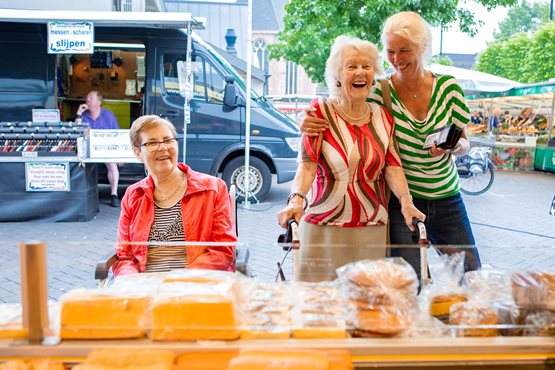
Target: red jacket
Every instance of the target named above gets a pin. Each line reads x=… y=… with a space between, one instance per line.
x=206 y=212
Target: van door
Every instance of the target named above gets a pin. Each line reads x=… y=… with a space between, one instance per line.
x=211 y=128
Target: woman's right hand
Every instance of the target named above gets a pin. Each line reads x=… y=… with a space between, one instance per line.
x=290 y=211
x=310 y=125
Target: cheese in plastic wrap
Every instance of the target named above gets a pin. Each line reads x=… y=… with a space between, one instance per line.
x=189 y=311
x=103 y=313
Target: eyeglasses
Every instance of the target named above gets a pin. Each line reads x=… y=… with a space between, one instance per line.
x=153 y=146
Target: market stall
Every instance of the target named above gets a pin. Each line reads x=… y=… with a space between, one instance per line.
x=523 y=136
x=52 y=60
x=208 y=318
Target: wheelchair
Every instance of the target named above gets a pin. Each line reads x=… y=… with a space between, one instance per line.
x=102 y=269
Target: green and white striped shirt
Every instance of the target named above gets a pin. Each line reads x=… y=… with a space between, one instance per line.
x=428 y=177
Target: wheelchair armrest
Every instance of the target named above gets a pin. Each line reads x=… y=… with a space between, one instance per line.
x=241 y=259
x=103 y=266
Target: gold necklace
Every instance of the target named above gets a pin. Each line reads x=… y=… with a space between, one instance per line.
x=353 y=119
x=179 y=186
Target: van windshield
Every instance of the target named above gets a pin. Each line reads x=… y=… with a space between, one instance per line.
x=228 y=68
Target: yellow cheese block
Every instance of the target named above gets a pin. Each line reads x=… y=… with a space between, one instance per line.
x=176 y=319
x=190 y=311
x=316 y=333
x=33 y=364
x=265 y=334
x=441 y=304
x=250 y=359
x=13 y=333
x=91 y=314
x=128 y=359
x=213 y=360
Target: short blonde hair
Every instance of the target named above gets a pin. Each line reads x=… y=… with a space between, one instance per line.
x=145 y=123
x=413 y=27
x=333 y=64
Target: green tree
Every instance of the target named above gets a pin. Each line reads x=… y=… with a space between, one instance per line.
x=523 y=57
x=310 y=26
x=523 y=17
x=443 y=60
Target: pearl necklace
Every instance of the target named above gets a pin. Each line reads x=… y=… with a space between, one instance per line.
x=177 y=188
x=353 y=119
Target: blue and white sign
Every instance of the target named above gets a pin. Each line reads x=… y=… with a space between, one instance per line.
x=70 y=37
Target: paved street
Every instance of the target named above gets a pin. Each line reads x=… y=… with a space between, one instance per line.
x=511 y=223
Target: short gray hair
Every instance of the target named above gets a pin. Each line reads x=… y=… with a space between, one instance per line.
x=145 y=123
x=333 y=64
x=413 y=27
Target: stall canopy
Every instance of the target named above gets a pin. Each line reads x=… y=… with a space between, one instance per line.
x=540 y=97
x=474 y=82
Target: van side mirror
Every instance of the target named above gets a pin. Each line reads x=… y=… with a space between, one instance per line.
x=230 y=93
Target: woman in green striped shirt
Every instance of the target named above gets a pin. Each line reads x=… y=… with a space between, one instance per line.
x=422 y=102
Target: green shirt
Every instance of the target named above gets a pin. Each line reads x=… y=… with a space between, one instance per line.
x=428 y=177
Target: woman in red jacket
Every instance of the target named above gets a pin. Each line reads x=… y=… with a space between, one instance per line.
x=172 y=204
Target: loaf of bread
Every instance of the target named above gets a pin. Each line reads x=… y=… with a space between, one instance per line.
x=386 y=274
x=319 y=311
x=474 y=314
x=386 y=321
x=264 y=310
x=534 y=289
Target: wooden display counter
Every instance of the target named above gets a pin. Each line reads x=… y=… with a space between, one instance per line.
x=372 y=352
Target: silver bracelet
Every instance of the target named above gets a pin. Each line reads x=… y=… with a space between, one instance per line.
x=301 y=195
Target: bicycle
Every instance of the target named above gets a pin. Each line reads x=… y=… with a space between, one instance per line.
x=476 y=171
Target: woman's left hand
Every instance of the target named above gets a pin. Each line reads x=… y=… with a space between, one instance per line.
x=435 y=151
x=410 y=212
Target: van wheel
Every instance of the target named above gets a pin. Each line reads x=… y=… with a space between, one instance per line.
x=260 y=178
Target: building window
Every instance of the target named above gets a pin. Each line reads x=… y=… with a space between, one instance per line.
x=290 y=78
x=259 y=48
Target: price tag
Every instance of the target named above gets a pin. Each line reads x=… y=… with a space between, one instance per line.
x=30 y=154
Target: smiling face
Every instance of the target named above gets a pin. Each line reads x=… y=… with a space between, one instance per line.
x=356 y=74
x=402 y=54
x=162 y=161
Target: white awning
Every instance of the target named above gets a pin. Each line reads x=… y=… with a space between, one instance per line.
x=107 y=19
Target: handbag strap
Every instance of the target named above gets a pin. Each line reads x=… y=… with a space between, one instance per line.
x=386 y=95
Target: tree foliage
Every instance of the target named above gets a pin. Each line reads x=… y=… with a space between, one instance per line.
x=523 y=17
x=443 y=60
x=310 y=26
x=523 y=57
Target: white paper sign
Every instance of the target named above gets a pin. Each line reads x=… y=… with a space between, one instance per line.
x=47 y=176
x=70 y=37
x=110 y=144
x=46 y=115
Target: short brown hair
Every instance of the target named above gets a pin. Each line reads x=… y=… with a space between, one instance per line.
x=144 y=123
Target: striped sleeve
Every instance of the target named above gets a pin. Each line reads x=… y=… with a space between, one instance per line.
x=311 y=146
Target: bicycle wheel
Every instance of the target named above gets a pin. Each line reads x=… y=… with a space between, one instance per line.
x=476 y=184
